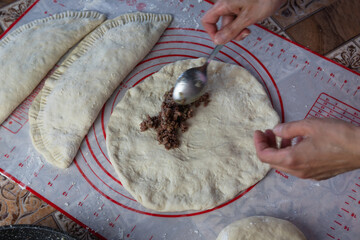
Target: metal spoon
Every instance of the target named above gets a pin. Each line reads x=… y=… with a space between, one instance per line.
x=191 y=83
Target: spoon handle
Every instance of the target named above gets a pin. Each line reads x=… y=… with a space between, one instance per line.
x=213 y=53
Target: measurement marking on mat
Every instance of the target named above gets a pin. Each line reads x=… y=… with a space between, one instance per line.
x=351 y=197
x=282 y=174
x=128 y=235
x=345 y=81
x=96 y=214
x=270 y=46
x=281 y=52
x=22 y=163
x=51 y=183
x=345 y=210
x=337 y=223
x=82 y=203
x=331 y=236
x=36 y=174
x=294 y=57
x=66 y=193
x=327 y=106
x=112 y=224
x=358 y=88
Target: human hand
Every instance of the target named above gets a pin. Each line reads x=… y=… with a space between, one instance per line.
x=236 y=15
x=326 y=147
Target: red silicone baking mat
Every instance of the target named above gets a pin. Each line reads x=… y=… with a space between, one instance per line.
x=299 y=83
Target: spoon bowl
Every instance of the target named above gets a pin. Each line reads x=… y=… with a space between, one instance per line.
x=191 y=84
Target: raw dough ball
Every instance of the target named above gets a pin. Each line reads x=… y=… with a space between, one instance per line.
x=216 y=159
x=261 y=228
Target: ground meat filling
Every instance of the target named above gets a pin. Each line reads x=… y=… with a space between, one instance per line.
x=172 y=118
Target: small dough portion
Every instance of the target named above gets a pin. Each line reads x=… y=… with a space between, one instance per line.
x=216 y=159
x=261 y=228
x=29 y=52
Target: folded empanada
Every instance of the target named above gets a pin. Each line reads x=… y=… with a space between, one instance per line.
x=28 y=53
x=72 y=97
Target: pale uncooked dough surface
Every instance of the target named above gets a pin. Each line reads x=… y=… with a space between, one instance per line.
x=216 y=159
x=261 y=228
x=28 y=53
x=72 y=97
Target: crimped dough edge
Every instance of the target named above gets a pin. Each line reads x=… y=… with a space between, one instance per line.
x=58 y=16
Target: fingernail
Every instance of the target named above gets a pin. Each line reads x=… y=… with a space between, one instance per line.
x=277 y=129
x=218 y=39
x=244 y=35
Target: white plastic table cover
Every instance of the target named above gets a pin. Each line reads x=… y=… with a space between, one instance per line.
x=300 y=84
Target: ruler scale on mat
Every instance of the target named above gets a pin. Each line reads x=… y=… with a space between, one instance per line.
x=300 y=84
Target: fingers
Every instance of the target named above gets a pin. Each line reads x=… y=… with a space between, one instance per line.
x=212 y=16
x=233 y=23
x=243 y=34
x=225 y=20
x=232 y=30
x=228 y=19
x=271 y=138
x=292 y=129
x=260 y=141
x=286 y=159
x=315 y=151
x=266 y=150
x=285 y=143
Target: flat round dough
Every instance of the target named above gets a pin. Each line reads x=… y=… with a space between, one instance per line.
x=216 y=159
x=261 y=228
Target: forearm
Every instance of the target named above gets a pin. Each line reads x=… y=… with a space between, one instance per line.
x=354 y=145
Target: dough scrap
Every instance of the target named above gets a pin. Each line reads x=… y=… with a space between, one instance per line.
x=216 y=159
x=261 y=228
x=73 y=96
x=29 y=53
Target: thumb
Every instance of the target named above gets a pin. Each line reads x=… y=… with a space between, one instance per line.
x=292 y=129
